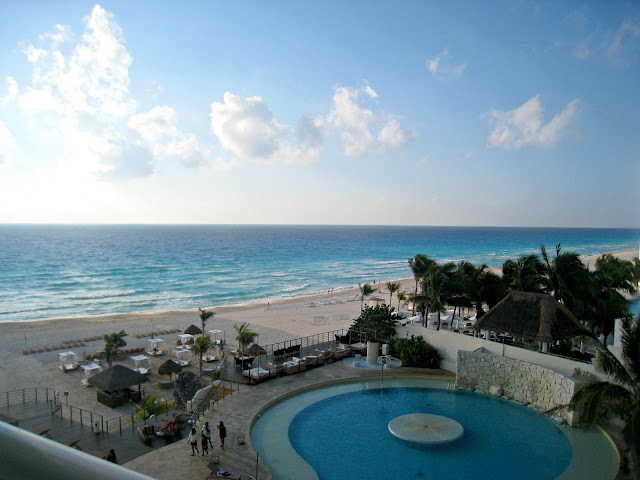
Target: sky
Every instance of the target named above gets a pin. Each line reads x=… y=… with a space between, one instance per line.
x=493 y=113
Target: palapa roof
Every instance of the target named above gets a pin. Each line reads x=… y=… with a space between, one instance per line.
x=532 y=316
x=193 y=330
x=254 y=349
x=115 y=378
x=169 y=367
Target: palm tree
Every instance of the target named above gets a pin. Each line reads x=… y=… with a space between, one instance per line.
x=567 y=279
x=606 y=304
x=365 y=290
x=393 y=287
x=245 y=336
x=436 y=287
x=419 y=266
x=113 y=341
x=200 y=347
x=526 y=274
x=402 y=297
x=619 y=398
x=204 y=316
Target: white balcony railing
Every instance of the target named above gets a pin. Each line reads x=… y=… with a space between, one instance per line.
x=25 y=455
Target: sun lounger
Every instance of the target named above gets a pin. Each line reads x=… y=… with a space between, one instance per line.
x=45 y=433
x=291 y=367
x=339 y=353
x=255 y=374
x=75 y=445
x=275 y=370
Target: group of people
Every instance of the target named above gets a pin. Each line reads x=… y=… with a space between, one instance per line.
x=205 y=438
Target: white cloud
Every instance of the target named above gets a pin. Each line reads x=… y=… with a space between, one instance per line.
x=81 y=92
x=442 y=66
x=523 y=126
x=12 y=91
x=246 y=127
x=356 y=124
x=6 y=140
x=626 y=39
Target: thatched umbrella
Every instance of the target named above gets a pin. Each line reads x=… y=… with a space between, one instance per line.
x=532 y=316
x=254 y=350
x=169 y=367
x=193 y=330
x=117 y=378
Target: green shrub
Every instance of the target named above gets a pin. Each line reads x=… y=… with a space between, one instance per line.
x=415 y=352
x=376 y=320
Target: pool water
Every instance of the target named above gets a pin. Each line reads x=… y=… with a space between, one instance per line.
x=340 y=430
x=348 y=432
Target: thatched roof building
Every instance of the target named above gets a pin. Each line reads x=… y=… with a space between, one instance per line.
x=532 y=316
x=193 y=330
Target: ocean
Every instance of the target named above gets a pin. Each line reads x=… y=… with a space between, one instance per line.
x=53 y=271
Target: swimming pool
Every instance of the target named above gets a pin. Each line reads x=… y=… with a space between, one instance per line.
x=339 y=430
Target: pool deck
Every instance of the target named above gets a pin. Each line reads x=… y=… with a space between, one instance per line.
x=238 y=411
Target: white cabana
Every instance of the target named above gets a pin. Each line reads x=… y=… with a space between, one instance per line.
x=185 y=337
x=90 y=370
x=183 y=357
x=67 y=361
x=140 y=364
x=217 y=336
x=212 y=354
x=154 y=348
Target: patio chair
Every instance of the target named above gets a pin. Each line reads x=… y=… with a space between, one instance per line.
x=275 y=370
x=291 y=368
x=75 y=445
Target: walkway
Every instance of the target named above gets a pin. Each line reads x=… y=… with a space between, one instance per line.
x=237 y=412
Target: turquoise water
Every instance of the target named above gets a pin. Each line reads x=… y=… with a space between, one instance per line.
x=501 y=440
x=49 y=271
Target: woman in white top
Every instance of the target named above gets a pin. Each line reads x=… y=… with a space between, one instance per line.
x=193 y=441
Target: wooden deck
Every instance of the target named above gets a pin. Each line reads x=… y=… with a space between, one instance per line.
x=36 y=417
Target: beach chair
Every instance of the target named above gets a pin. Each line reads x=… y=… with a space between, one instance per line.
x=45 y=433
x=75 y=445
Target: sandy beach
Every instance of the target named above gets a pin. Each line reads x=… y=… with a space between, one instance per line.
x=274 y=322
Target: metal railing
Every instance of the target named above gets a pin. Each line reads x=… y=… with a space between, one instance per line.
x=81 y=415
x=308 y=341
x=26 y=395
x=215 y=393
x=128 y=420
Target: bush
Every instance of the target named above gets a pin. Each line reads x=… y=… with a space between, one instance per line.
x=415 y=352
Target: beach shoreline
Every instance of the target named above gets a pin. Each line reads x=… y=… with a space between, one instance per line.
x=588 y=260
x=274 y=321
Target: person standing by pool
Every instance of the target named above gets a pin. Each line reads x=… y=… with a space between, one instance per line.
x=193 y=441
x=205 y=444
x=207 y=431
x=223 y=433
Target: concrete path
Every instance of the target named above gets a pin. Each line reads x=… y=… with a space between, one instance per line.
x=237 y=412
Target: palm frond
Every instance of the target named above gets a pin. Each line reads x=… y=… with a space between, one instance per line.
x=631 y=347
x=600 y=401
x=633 y=428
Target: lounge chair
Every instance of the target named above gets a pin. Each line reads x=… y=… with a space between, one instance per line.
x=45 y=433
x=75 y=445
x=256 y=374
x=339 y=353
x=291 y=367
x=275 y=370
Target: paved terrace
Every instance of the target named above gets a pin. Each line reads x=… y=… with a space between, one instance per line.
x=237 y=412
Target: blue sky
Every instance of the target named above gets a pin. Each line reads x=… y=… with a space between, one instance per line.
x=362 y=112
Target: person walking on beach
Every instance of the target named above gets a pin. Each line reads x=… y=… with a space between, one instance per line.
x=193 y=441
x=206 y=430
x=205 y=444
x=223 y=433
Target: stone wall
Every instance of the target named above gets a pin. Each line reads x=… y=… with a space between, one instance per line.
x=523 y=382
